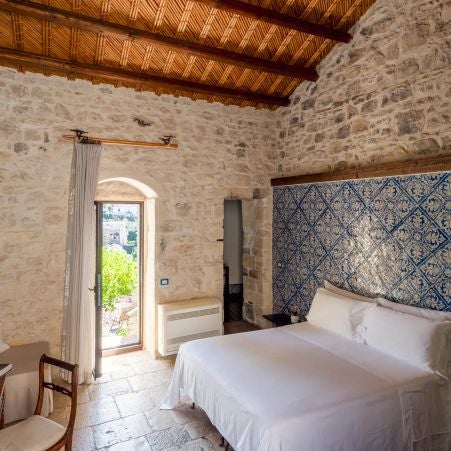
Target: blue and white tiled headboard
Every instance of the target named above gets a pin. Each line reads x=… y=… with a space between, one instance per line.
x=385 y=237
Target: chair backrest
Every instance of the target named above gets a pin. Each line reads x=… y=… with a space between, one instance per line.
x=72 y=393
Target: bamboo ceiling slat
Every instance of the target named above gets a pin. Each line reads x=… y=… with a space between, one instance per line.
x=60 y=48
x=263 y=44
x=305 y=46
x=6 y=39
x=46 y=35
x=181 y=28
x=191 y=21
x=17 y=29
x=202 y=36
x=18 y=36
x=126 y=45
x=74 y=40
x=242 y=45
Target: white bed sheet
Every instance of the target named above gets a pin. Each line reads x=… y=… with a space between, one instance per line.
x=301 y=388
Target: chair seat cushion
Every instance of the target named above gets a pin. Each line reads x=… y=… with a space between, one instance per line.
x=36 y=433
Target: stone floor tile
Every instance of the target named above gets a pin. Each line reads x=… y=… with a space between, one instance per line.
x=185 y=414
x=60 y=401
x=60 y=415
x=158 y=393
x=146 y=380
x=83 y=440
x=106 y=377
x=199 y=428
x=108 y=389
x=137 y=425
x=121 y=430
x=172 y=437
x=160 y=419
x=110 y=433
x=201 y=444
x=121 y=372
x=135 y=402
x=96 y=412
x=131 y=357
x=82 y=395
x=149 y=366
x=136 y=444
x=165 y=375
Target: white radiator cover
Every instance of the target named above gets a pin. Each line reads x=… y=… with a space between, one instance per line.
x=182 y=321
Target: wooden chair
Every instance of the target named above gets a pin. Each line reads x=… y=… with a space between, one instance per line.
x=38 y=433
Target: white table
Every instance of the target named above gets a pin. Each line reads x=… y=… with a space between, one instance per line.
x=22 y=383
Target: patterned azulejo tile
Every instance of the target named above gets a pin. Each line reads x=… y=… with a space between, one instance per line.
x=382 y=237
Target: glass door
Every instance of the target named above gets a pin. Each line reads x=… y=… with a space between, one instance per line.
x=119 y=276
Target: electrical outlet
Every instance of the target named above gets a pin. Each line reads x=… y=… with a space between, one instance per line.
x=164 y=281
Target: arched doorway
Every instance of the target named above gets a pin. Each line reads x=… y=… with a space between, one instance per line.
x=126 y=220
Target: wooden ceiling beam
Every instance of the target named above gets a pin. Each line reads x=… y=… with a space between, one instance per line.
x=13 y=57
x=277 y=18
x=439 y=163
x=105 y=28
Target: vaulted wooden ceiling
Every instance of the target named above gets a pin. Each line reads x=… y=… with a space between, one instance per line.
x=247 y=53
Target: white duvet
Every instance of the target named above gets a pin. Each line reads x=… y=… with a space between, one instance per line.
x=301 y=388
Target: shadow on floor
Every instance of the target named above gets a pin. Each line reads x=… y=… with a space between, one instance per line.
x=235 y=327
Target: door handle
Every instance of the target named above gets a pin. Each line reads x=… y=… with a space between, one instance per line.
x=98 y=288
x=92 y=289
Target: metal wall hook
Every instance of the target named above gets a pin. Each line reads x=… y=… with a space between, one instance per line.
x=78 y=133
x=167 y=139
x=83 y=137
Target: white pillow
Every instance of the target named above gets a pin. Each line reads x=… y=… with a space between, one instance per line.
x=349 y=294
x=337 y=314
x=419 y=341
x=434 y=315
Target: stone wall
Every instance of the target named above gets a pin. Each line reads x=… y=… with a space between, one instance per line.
x=383 y=97
x=257 y=254
x=225 y=152
x=118 y=191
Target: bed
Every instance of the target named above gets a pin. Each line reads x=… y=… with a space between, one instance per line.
x=304 y=388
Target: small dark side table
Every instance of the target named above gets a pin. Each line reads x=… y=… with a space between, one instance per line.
x=278 y=319
x=281 y=319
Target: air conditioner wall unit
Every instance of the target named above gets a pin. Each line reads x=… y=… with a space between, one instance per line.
x=182 y=321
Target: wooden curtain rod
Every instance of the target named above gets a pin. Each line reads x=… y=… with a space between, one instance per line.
x=123 y=142
x=425 y=165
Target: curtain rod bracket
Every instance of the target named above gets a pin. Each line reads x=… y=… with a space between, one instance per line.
x=78 y=133
x=82 y=137
x=167 y=139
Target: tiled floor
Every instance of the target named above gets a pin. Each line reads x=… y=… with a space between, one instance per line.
x=120 y=410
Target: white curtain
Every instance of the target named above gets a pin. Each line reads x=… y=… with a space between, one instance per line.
x=78 y=337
